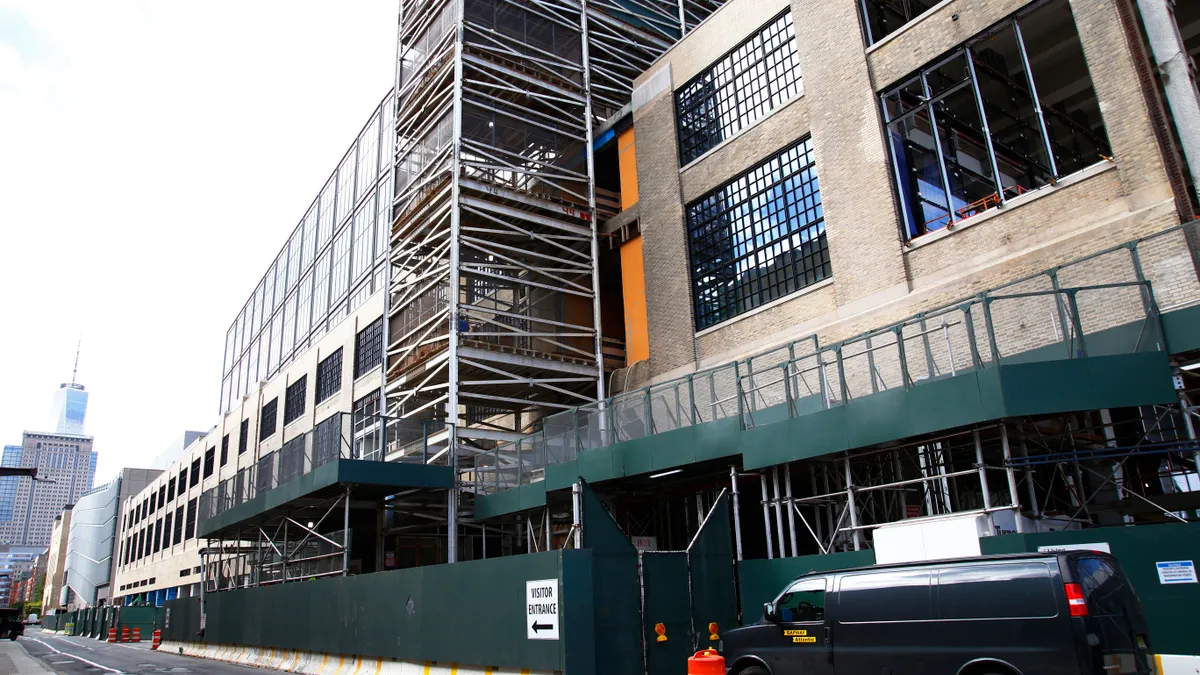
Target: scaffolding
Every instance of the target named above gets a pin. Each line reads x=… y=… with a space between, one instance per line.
x=493 y=310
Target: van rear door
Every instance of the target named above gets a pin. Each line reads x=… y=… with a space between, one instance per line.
x=1117 y=642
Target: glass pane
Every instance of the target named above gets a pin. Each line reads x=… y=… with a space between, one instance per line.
x=919 y=174
x=964 y=149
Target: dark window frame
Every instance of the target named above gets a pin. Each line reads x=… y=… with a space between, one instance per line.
x=210 y=458
x=244 y=436
x=760 y=74
x=921 y=105
x=294 y=400
x=269 y=418
x=720 y=291
x=368 y=348
x=329 y=376
x=224 y=449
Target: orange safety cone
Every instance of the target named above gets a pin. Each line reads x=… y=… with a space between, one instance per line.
x=137 y=634
x=124 y=633
x=706 y=662
x=157 y=640
x=112 y=634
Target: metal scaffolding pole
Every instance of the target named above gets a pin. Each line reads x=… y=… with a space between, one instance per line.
x=737 y=519
x=346 y=534
x=851 y=507
x=983 y=482
x=1011 y=475
x=787 y=483
x=778 y=516
x=766 y=509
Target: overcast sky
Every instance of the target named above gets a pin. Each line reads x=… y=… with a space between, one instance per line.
x=154 y=157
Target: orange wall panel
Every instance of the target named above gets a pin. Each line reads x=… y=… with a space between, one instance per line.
x=627 y=158
x=633 y=287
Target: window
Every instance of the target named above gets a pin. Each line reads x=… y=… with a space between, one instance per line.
x=243 y=436
x=979 y=127
x=345 y=197
x=884 y=17
x=901 y=595
x=320 y=305
x=368 y=348
x=293 y=406
x=209 y=456
x=758 y=238
x=804 y=601
x=166 y=526
x=178 y=525
x=368 y=435
x=162 y=496
x=268 y=420
x=1008 y=591
x=326 y=224
x=183 y=480
x=329 y=376
x=171 y=489
x=327 y=440
x=364 y=240
x=191 y=519
x=339 y=278
x=755 y=78
x=153 y=501
x=224 y=449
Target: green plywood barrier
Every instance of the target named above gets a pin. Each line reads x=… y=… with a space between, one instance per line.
x=665 y=593
x=1170 y=610
x=762 y=580
x=467 y=612
x=618 y=608
x=711 y=573
x=143 y=618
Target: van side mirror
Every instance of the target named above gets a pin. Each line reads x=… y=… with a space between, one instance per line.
x=769 y=611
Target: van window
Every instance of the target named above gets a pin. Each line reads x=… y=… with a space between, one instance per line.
x=804 y=601
x=900 y=595
x=1104 y=587
x=1007 y=591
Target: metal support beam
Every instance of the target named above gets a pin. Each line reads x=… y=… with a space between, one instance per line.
x=766 y=510
x=737 y=514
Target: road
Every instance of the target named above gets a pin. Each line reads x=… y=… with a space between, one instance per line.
x=85 y=656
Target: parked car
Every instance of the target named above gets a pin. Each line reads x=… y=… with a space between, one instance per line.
x=33 y=619
x=10 y=623
x=1030 y=614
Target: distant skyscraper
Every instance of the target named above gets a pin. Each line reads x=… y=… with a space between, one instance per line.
x=66 y=468
x=70 y=404
x=8 y=484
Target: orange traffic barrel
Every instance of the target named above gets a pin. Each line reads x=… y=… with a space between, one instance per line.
x=125 y=634
x=706 y=662
x=112 y=634
x=137 y=634
x=157 y=639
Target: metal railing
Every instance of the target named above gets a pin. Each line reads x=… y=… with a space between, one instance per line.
x=342 y=436
x=1103 y=304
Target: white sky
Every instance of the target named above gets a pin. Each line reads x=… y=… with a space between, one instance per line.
x=154 y=157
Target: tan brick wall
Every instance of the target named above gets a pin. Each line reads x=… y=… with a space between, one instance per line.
x=664 y=243
x=876 y=278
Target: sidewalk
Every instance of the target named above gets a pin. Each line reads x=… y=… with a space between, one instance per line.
x=14 y=660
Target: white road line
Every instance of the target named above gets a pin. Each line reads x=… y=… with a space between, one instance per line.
x=77 y=658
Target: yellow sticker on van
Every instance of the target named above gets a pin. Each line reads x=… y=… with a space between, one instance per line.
x=804 y=640
x=789 y=633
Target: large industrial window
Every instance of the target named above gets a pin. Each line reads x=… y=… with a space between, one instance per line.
x=329 y=376
x=209 y=456
x=293 y=406
x=884 y=17
x=1010 y=111
x=753 y=79
x=166 y=526
x=243 y=436
x=191 y=519
x=269 y=418
x=224 y=449
x=368 y=348
x=758 y=238
x=178 y=533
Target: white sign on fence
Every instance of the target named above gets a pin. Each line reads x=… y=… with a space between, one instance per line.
x=541 y=609
x=1176 y=572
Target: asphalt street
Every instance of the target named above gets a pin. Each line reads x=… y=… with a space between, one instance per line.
x=86 y=656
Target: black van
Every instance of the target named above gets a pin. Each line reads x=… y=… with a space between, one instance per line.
x=1030 y=614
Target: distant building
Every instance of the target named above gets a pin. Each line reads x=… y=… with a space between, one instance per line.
x=70 y=408
x=56 y=560
x=66 y=467
x=88 y=573
x=8 y=484
x=14 y=562
x=176 y=449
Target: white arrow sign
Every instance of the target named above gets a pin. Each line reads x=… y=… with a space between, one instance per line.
x=541 y=609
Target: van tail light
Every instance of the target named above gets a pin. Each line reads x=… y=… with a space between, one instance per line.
x=1076 y=600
